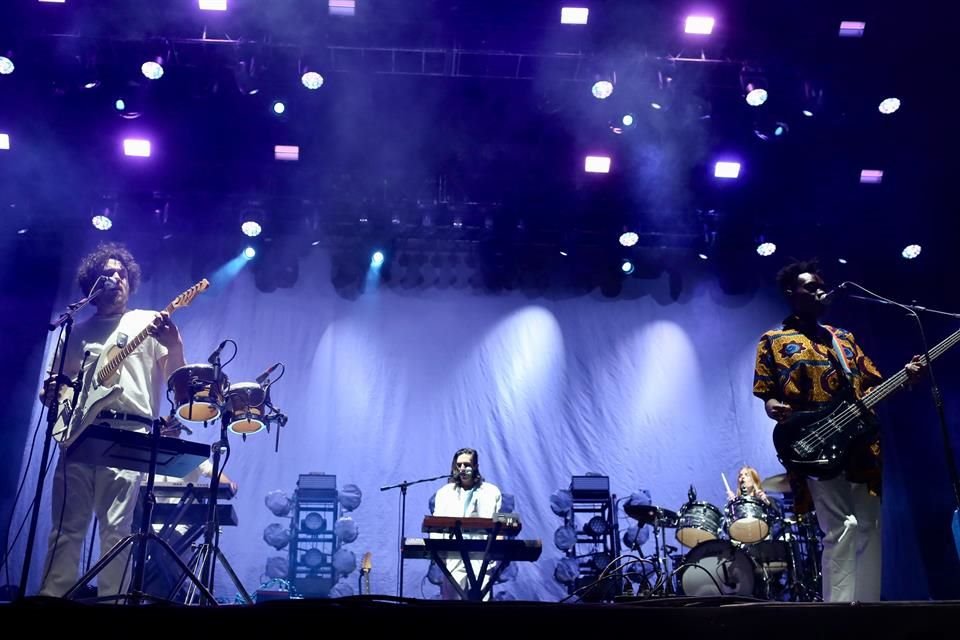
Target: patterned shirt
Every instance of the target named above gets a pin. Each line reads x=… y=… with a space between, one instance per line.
x=805 y=372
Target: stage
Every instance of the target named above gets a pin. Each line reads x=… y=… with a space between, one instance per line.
x=363 y=615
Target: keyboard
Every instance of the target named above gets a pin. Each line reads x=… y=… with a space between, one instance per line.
x=509 y=524
x=500 y=550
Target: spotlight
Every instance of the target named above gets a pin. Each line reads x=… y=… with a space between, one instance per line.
x=703 y=256
x=842 y=260
x=852 y=28
x=597 y=164
x=120 y=104
x=312 y=80
x=6 y=66
x=596 y=527
x=279 y=107
x=911 y=251
x=152 y=69
x=871 y=176
x=574 y=15
x=313 y=558
x=136 y=148
x=629 y=238
x=4 y=141
x=807 y=113
x=286 y=152
x=249 y=253
x=245 y=75
x=656 y=105
x=756 y=96
x=727 y=170
x=376 y=260
x=889 y=105
x=628 y=120
x=313 y=522
x=602 y=89
x=213 y=5
x=771 y=130
x=342 y=7
x=699 y=25
x=766 y=249
x=251 y=228
x=102 y=218
x=627 y=267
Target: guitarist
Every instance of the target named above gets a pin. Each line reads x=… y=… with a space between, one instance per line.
x=82 y=490
x=802 y=367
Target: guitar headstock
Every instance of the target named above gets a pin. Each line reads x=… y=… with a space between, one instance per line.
x=185 y=298
x=367 y=563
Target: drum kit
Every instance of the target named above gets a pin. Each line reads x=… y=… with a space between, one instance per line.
x=751 y=548
x=202 y=394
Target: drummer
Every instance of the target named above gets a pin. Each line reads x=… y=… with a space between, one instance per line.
x=748 y=483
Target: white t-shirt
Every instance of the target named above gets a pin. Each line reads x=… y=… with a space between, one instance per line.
x=141 y=374
x=480 y=501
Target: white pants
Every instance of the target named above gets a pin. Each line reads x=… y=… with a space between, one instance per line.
x=850 y=519
x=459 y=572
x=82 y=490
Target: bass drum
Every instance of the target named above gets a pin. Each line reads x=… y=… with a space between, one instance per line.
x=717 y=568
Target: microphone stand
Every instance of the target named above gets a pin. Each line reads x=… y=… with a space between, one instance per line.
x=66 y=322
x=403 y=517
x=937 y=400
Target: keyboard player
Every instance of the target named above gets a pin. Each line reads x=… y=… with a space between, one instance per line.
x=466 y=494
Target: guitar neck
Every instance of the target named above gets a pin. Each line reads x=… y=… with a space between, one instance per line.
x=897 y=381
x=114 y=365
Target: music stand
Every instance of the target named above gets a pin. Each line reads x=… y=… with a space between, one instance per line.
x=103 y=446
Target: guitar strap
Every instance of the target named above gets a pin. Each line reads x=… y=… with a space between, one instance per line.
x=841 y=356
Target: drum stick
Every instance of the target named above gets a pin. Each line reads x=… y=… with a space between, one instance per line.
x=725 y=483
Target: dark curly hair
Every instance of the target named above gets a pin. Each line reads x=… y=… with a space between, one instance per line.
x=474 y=458
x=787 y=277
x=92 y=265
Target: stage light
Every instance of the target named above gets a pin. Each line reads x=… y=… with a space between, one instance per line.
x=574 y=15
x=136 y=148
x=726 y=170
x=889 y=105
x=656 y=105
x=756 y=96
x=699 y=25
x=152 y=69
x=249 y=253
x=871 y=176
x=766 y=249
x=629 y=238
x=596 y=164
x=213 y=5
x=4 y=141
x=596 y=527
x=6 y=66
x=628 y=120
x=911 y=251
x=54 y=1
x=313 y=522
x=842 y=260
x=120 y=104
x=102 y=219
x=852 y=28
x=771 y=130
x=703 y=256
x=602 y=89
x=286 y=152
x=807 y=113
x=312 y=80
x=342 y=7
x=376 y=260
x=627 y=267
x=251 y=228
x=279 y=107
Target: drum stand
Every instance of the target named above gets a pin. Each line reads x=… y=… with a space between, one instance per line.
x=664 y=585
x=206 y=554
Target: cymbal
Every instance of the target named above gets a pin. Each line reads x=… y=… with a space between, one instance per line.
x=651 y=514
x=777 y=484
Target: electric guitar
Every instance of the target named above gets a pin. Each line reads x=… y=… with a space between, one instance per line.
x=818 y=443
x=365 y=566
x=98 y=382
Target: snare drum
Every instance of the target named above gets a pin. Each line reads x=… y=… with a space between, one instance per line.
x=698 y=522
x=244 y=403
x=748 y=519
x=196 y=393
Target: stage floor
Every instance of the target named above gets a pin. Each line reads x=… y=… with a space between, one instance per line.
x=674 y=617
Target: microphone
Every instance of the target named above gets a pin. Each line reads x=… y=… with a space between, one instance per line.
x=215 y=356
x=827 y=298
x=110 y=284
x=743 y=488
x=692 y=494
x=467 y=472
x=266 y=374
